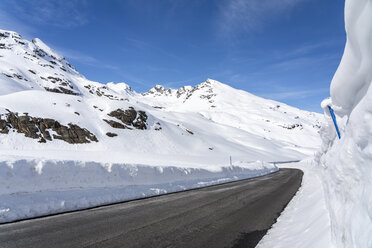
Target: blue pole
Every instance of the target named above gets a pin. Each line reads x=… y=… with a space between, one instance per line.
x=334 y=121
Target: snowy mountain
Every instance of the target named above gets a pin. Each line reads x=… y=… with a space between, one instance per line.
x=47 y=105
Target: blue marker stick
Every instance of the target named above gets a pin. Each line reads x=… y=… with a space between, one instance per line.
x=334 y=121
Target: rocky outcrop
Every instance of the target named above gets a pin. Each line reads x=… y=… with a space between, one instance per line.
x=157 y=126
x=103 y=91
x=131 y=117
x=61 y=90
x=293 y=126
x=115 y=124
x=111 y=134
x=38 y=128
x=190 y=132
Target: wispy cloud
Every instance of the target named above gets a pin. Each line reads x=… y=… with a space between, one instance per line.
x=248 y=15
x=77 y=56
x=82 y=58
x=58 y=13
x=293 y=94
x=292 y=64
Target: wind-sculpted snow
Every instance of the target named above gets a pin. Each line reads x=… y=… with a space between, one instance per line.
x=35 y=187
x=354 y=75
x=347 y=162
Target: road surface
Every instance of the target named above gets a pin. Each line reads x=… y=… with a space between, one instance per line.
x=236 y=214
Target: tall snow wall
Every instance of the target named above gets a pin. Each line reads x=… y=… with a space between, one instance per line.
x=347 y=162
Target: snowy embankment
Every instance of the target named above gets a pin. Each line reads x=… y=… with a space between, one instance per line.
x=35 y=187
x=347 y=162
x=305 y=222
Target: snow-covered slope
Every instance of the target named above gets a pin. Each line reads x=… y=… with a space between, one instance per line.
x=210 y=120
x=347 y=162
x=239 y=109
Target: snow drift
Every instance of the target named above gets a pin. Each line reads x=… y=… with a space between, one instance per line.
x=348 y=162
x=34 y=187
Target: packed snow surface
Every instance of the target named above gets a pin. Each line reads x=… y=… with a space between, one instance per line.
x=347 y=162
x=305 y=222
x=67 y=142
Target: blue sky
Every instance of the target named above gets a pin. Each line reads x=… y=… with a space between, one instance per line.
x=286 y=50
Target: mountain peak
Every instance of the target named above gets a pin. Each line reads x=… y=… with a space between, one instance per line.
x=212 y=81
x=120 y=87
x=40 y=45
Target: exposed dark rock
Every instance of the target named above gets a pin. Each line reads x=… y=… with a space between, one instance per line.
x=46 y=65
x=74 y=134
x=61 y=90
x=40 y=52
x=115 y=124
x=207 y=96
x=4 y=127
x=157 y=126
x=293 y=126
x=37 y=128
x=77 y=113
x=32 y=71
x=102 y=91
x=69 y=65
x=17 y=76
x=20 y=42
x=54 y=79
x=111 y=134
x=189 y=132
x=131 y=117
x=9 y=76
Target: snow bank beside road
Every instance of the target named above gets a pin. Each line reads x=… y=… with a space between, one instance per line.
x=305 y=221
x=347 y=163
x=34 y=187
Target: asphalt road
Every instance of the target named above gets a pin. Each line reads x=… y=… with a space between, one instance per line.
x=236 y=214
